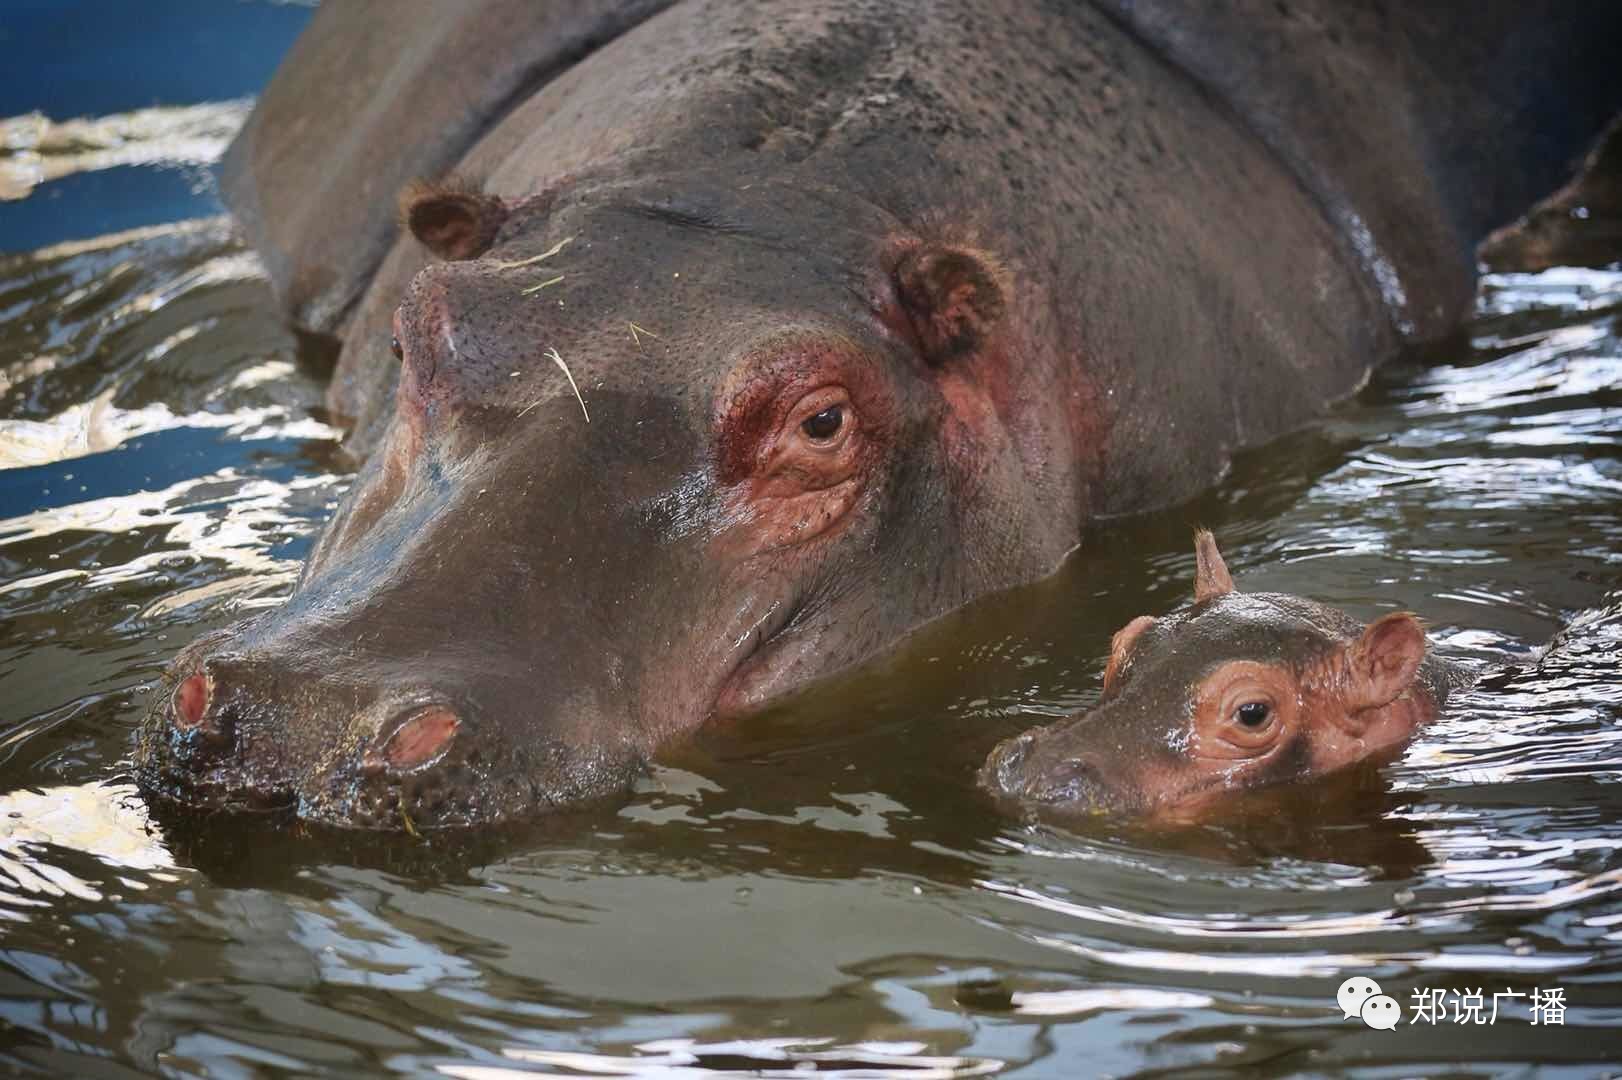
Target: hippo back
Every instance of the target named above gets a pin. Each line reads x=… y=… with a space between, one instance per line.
x=374 y=94
x=1418 y=128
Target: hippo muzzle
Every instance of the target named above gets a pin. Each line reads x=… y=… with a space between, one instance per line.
x=1052 y=772
x=451 y=656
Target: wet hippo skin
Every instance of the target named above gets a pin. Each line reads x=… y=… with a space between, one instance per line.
x=726 y=344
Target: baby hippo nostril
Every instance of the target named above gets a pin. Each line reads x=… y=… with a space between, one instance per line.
x=1071 y=780
x=190 y=701
x=420 y=738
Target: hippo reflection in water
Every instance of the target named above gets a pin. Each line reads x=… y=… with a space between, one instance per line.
x=751 y=337
x=1239 y=691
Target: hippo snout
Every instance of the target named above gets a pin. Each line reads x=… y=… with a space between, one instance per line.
x=1002 y=773
x=1024 y=769
x=196 y=740
x=237 y=731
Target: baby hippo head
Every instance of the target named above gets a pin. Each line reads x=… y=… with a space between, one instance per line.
x=1238 y=691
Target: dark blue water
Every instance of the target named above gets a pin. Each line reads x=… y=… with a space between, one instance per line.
x=73 y=58
x=88 y=57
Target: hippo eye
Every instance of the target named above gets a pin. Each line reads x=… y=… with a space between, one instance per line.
x=1253 y=714
x=1243 y=710
x=394 y=347
x=825 y=424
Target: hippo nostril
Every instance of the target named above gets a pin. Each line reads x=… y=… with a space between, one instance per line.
x=1071 y=781
x=191 y=700
x=417 y=740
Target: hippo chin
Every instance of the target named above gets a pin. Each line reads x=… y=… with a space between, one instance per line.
x=1237 y=692
x=754 y=336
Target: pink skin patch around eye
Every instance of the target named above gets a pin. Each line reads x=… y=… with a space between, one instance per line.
x=421 y=738
x=191 y=701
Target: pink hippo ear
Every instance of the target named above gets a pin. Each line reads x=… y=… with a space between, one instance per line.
x=1211 y=578
x=451 y=222
x=1383 y=662
x=953 y=299
x=1120 y=649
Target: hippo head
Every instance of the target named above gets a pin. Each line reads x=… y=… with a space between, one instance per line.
x=653 y=461
x=1238 y=691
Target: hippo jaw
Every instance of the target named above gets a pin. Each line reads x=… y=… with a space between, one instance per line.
x=565 y=561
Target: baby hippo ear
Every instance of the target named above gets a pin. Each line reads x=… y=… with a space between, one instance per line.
x=953 y=299
x=1120 y=647
x=452 y=223
x=1211 y=577
x=1384 y=661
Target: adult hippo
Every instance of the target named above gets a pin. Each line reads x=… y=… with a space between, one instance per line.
x=753 y=336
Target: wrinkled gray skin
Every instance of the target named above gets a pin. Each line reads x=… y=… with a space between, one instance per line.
x=1192 y=226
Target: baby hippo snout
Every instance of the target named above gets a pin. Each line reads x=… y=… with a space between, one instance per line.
x=1025 y=770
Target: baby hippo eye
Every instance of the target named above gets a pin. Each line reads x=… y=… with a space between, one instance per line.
x=1253 y=715
x=394 y=347
x=824 y=425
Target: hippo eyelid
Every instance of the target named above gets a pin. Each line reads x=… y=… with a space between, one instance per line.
x=1248 y=697
x=1230 y=692
x=817 y=426
x=832 y=402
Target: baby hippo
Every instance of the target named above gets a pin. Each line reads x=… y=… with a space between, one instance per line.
x=1238 y=691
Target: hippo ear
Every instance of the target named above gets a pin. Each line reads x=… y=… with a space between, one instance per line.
x=1211 y=578
x=1120 y=647
x=952 y=297
x=452 y=223
x=1383 y=662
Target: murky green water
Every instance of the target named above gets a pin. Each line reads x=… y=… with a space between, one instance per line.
x=826 y=892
